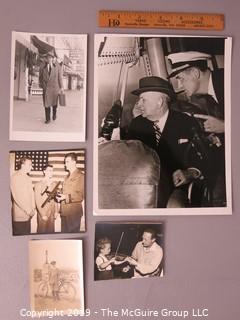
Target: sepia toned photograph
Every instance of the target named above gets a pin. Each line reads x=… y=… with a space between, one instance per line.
x=162 y=121
x=47 y=191
x=128 y=250
x=48 y=87
x=56 y=275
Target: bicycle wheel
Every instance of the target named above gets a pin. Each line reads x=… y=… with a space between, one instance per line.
x=67 y=291
x=43 y=289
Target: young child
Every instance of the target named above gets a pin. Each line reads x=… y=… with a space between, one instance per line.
x=104 y=264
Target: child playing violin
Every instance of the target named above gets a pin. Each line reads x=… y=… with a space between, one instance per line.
x=103 y=262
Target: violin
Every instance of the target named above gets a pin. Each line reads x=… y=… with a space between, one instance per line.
x=118 y=256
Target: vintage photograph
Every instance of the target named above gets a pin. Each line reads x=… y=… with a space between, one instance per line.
x=48 y=87
x=56 y=275
x=47 y=191
x=128 y=251
x=162 y=120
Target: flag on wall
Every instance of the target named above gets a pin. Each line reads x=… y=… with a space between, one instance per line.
x=39 y=159
x=55 y=158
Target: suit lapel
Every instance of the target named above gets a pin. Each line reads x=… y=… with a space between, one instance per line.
x=165 y=130
x=46 y=74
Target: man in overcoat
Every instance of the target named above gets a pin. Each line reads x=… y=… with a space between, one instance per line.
x=50 y=80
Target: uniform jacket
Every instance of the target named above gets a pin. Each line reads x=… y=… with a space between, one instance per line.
x=51 y=84
x=23 y=202
x=73 y=188
x=204 y=103
x=218 y=85
x=54 y=275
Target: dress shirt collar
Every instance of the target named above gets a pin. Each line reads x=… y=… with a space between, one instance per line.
x=211 y=90
x=162 y=121
x=149 y=249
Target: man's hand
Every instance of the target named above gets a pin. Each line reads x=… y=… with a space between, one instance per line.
x=131 y=261
x=181 y=177
x=211 y=124
x=61 y=90
x=102 y=140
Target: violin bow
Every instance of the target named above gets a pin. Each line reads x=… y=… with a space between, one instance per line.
x=119 y=243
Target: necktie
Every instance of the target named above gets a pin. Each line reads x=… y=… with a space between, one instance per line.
x=157 y=132
x=49 y=69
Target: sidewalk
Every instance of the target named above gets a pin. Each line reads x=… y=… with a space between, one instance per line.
x=30 y=115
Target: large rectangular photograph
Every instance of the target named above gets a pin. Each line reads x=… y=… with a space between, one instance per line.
x=56 y=276
x=162 y=125
x=48 y=87
x=47 y=191
x=128 y=250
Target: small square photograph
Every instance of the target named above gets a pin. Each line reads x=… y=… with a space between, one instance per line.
x=48 y=87
x=128 y=250
x=162 y=124
x=47 y=191
x=56 y=275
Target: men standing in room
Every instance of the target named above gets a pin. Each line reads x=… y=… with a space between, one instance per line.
x=146 y=256
x=72 y=196
x=50 y=80
x=174 y=136
x=204 y=89
x=46 y=211
x=23 y=202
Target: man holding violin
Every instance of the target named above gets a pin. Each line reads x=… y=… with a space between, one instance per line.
x=147 y=256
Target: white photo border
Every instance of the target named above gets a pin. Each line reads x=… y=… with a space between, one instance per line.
x=227 y=107
x=47 y=135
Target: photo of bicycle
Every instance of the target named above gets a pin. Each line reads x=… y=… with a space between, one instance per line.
x=56 y=274
x=61 y=287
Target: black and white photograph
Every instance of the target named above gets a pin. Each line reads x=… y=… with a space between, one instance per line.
x=128 y=250
x=47 y=191
x=48 y=87
x=56 y=275
x=162 y=121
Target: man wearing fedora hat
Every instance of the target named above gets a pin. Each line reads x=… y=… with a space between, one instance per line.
x=50 y=80
x=171 y=134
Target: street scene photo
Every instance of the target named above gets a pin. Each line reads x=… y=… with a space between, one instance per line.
x=48 y=87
